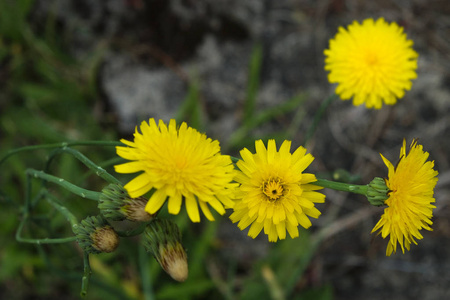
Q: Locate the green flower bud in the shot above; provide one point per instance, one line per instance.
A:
(115, 204)
(95, 235)
(377, 191)
(162, 238)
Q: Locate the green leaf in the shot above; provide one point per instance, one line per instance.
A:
(253, 83)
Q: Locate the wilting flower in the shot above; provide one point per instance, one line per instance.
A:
(274, 193)
(178, 164)
(372, 62)
(411, 183)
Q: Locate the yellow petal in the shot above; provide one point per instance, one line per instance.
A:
(155, 202)
(139, 185)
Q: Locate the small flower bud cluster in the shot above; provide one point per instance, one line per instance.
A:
(161, 238)
(95, 235)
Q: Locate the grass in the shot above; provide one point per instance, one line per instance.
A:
(49, 97)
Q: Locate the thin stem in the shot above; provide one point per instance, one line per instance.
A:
(253, 83)
(86, 275)
(26, 215)
(340, 186)
(27, 205)
(146, 277)
(317, 117)
(86, 161)
(59, 145)
(274, 287)
(62, 209)
(65, 184)
(300, 268)
(19, 238)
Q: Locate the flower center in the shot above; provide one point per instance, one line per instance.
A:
(176, 171)
(273, 189)
(371, 59)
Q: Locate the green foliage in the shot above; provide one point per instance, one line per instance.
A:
(283, 268)
(191, 111)
(50, 97)
(253, 83)
(252, 118)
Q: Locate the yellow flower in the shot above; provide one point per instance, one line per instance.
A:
(178, 164)
(274, 194)
(372, 62)
(411, 184)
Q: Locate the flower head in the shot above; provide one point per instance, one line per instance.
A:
(411, 183)
(178, 164)
(274, 193)
(162, 238)
(372, 62)
(95, 235)
(115, 204)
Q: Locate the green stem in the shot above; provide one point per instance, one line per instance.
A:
(62, 209)
(146, 276)
(58, 145)
(19, 238)
(26, 215)
(340, 186)
(317, 117)
(86, 161)
(86, 275)
(253, 83)
(65, 184)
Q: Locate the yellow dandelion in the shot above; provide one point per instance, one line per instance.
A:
(411, 184)
(372, 62)
(274, 193)
(178, 164)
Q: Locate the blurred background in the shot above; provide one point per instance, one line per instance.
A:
(238, 71)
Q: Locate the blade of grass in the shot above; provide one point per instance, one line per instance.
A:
(146, 277)
(190, 110)
(317, 117)
(240, 136)
(253, 83)
(201, 247)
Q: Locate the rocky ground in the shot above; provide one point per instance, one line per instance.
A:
(156, 48)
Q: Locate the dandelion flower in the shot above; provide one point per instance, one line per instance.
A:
(372, 62)
(178, 164)
(274, 193)
(411, 184)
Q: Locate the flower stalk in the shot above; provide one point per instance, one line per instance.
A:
(162, 239)
(65, 184)
(376, 191)
(341, 186)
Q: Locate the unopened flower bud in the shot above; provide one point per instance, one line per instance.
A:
(162, 238)
(95, 235)
(377, 191)
(115, 204)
